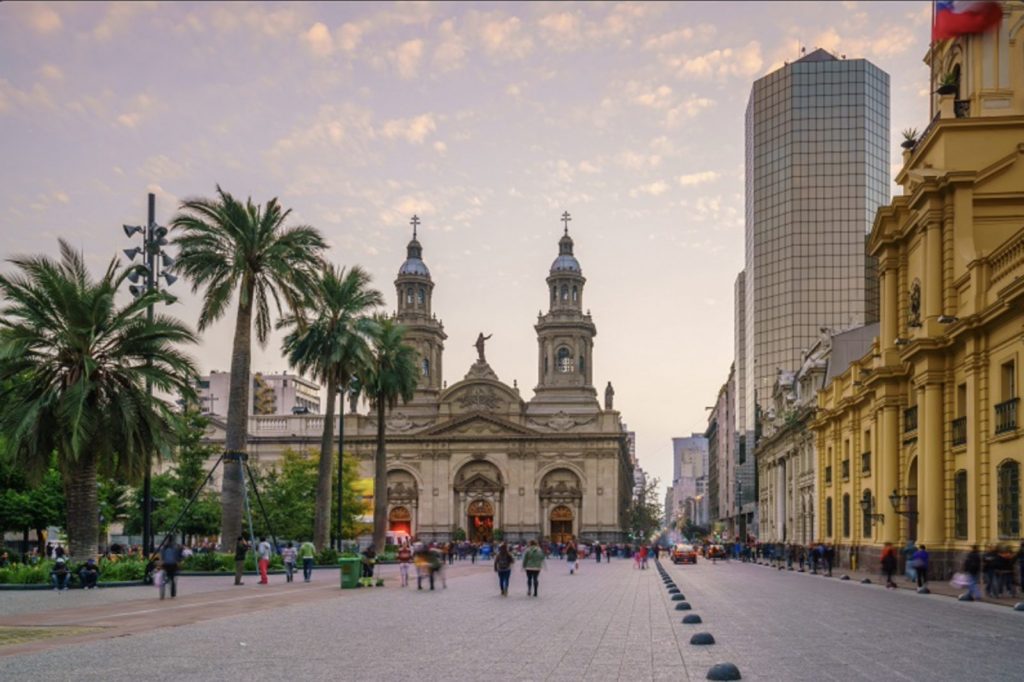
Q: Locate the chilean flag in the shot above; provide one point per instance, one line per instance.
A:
(959, 17)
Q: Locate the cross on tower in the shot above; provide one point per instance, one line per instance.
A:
(565, 219)
(415, 222)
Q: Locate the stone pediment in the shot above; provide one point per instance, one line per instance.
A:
(482, 393)
(479, 424)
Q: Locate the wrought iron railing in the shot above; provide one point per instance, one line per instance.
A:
(1006, 415)
(959, 431)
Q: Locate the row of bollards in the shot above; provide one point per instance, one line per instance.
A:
(719, 671)
(966, 596)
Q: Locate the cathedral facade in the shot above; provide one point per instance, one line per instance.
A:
(476, 456)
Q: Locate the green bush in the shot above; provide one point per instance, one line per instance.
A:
(328, 556)
(122, 570)
(209, 561)
(25, 574)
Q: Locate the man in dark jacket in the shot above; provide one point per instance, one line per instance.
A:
(972, 567)
(170, 559)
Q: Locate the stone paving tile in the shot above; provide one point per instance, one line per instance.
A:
(611, 622)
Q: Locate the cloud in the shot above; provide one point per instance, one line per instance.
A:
(413, 130)
(561, 30)
(653, 189)
(686, 109)
(634, 161)
(440, 147)
(505, 38)
(659, 98)
(698, 178)
(742, 61)
(348, 36)
(406, 58)
(587, 167)
(319, 40)
(40, 17)
(61, 197)
(35, 98)
(51, 72)
(681, 35)
(140, 107)
(119, 18)
(451, 51)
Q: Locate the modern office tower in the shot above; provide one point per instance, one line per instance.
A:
(817, 169)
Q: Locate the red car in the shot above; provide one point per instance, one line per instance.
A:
(684, 554)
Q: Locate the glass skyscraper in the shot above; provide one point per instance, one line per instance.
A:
(817, 169)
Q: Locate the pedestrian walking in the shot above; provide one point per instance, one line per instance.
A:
(830, 557)
(597, 551)
(241, 549)
(643, 557)
(263, 553)
(572, 557)
(503, 561)
(404, 559)
(307, 552)
(422, 559)
(170, 558)
(289, 554)
(533, 564)
(972, 567)
(908, 559)
(920, 562)
(889, 565)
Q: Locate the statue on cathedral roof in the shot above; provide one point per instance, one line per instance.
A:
(480, 339)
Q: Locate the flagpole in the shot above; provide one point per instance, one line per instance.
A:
(931, 68)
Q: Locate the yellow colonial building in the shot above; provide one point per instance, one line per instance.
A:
(920, 439)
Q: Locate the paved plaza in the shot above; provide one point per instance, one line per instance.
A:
(610, 622)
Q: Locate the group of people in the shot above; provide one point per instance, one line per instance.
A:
(1001, 566)
(532, 561)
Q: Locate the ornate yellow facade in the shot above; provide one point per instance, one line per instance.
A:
(920, 439)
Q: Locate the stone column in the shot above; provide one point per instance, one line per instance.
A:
(931, 502)
(889, 471)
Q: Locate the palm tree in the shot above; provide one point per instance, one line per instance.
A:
(330, 342)
(392, 375)
(228, 246)
(76, 365)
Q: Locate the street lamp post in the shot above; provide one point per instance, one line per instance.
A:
(154, 238)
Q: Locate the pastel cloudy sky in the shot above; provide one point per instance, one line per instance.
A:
(487, 120)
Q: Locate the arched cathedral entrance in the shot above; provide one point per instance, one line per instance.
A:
(561, 524)
(561, 496)
(480, 521)
(479, 493)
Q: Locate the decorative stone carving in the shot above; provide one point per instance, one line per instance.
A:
(562, 421)
(914, 316)
(479, 398)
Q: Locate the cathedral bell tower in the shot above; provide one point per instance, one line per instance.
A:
(565, 335)
(424, 332)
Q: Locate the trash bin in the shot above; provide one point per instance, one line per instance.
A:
(350, 571)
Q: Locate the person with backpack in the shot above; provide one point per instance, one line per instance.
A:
(920, 563)
(170, 558)
(503, 561)
(573, 557)
(533, 563)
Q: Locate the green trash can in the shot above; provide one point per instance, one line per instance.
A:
(351, 568)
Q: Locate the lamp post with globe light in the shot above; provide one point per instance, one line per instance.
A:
(155, 264)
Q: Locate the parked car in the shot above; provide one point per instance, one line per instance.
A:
(684, 554)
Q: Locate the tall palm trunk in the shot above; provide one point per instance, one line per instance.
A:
(238, 424)
(322, 520)
(83, 508)
(380, 481)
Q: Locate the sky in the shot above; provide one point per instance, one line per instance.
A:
(487, 120)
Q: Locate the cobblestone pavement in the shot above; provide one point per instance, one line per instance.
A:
(609, 622)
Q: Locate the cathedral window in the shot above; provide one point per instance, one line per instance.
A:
(426, 368)
(421, 296)
(408, 295)
(554, 294)
(583, 364)
(565, 293)
(565, 362)
(575, 295)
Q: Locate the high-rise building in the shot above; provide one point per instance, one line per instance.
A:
(817, 169)
(689, 466)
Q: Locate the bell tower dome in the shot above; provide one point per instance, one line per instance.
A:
(425, 333)
(565, 334)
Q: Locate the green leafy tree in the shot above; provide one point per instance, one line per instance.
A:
(392, 375)
(329, 341)
(77, 364)
(230, 248)
(27, 508)
(644, 514)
